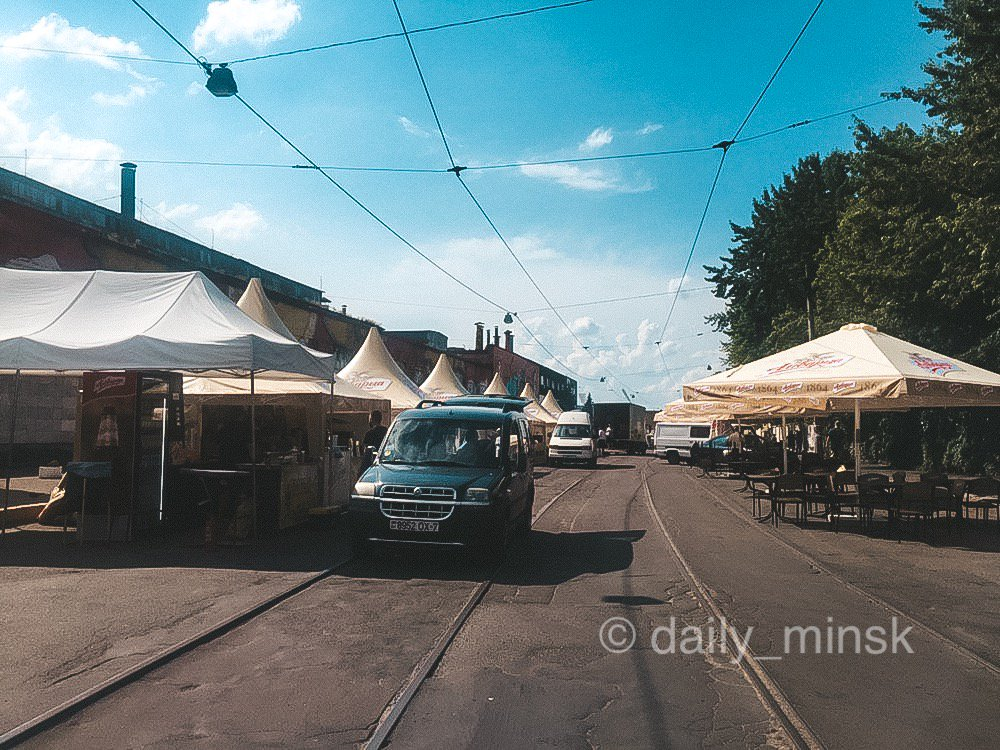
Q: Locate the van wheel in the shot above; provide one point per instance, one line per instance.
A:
(673, 457)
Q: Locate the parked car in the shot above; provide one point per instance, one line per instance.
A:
(448, 474)
(673, 441)
(573, 439)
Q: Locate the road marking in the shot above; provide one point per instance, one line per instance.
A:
(768, 691)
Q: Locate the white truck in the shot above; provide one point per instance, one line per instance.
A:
(573, 440)
(673, 440)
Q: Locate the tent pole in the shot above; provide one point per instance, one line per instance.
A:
(10, 451)
(784, 442)
(857, 438)
(253, 451)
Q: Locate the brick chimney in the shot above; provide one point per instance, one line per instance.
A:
(496, 335)
(128, 190)
(479, 337)
(508, 340)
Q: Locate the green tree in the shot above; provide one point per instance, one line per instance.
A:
(768, 277)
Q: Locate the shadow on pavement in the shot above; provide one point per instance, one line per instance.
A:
(314, 546)
(539, 558)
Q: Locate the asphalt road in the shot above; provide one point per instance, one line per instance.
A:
(638, 540)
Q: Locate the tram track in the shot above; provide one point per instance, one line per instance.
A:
(801, 552)
(393, 711)
(767, 690)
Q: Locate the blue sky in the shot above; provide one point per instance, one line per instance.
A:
(612, 76)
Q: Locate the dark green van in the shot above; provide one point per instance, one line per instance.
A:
(454, 473)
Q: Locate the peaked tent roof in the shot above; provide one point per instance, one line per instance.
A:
(255, 303)
(534, 410)
(550, 404)
(856, 363)
(74, 321)
(442, 382)
(496, 387)
(374, 371)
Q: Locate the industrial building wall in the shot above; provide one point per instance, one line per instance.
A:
(45, 419)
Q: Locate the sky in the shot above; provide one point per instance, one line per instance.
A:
(605, 77)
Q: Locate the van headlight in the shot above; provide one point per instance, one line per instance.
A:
(477, 495)
(365, 489)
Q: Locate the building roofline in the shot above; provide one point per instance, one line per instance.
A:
(170, 248)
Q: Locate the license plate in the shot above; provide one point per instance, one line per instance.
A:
(404, 525)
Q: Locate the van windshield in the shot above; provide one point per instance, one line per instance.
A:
(444, 442)
(572, 431)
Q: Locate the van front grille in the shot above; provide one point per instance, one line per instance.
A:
(419, 503)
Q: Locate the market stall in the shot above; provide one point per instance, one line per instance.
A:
(131, 335)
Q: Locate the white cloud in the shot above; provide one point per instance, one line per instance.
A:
(649, 128)
(258, 22)
(239, 222)
(55, 32)
(582, 178)
(52, 151)
(598, 138)
(412, 128)
(135, 93)
(585, 326)
(180, 211)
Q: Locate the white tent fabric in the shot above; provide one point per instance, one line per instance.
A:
(496, 387)
(857, 363)
(255, 303)
(75, 321)
(550, 405)
(442, 382)
(374, 371)
(534, 410)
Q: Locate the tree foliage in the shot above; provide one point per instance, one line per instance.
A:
(900, 233)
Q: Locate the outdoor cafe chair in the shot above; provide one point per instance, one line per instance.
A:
(874, 494)
(915, 500)
(789, 489)
(986, 494)
(842, 493)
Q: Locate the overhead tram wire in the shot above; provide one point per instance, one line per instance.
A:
(470, 168)
(104, 55)
(421, 30)
(725, 146)
(334, 182)
(496, 230)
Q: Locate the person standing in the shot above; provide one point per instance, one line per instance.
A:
(372, 440)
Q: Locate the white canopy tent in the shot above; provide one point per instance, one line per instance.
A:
(254, 302)
(374, 371)
(442, 382)
(84, 321)
(533, 409)
(496, 387)
(854, 368)
(76, 321)
(550, 405)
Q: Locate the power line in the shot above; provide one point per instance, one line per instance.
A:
(582, 159)
(167, 31)
(777, 70)
(725, 145)
(810, 121)
(489, 220)
(104, 55)
(617, 299)
(423, 82)
(423, 30)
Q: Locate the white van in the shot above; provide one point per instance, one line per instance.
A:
(573, 439)
(673, 441)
